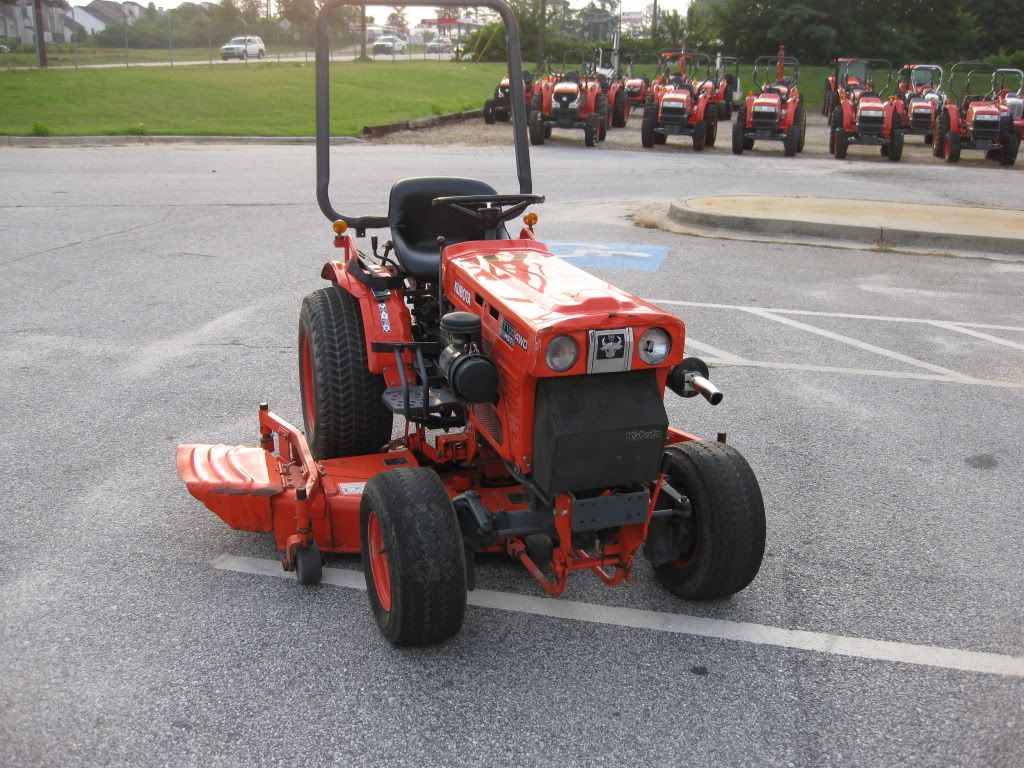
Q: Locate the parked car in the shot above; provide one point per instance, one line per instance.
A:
(388, 45)
(243, 48)
(4, 49)
(439, 45)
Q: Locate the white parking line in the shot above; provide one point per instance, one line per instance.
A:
(738, 631)
(816, 313)
(978, 334)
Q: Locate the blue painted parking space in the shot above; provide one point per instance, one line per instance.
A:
(638, 258)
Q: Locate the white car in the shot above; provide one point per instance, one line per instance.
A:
(439, 45)
(243, 48)
(388, 45)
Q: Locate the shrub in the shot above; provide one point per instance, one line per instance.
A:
(38, 129)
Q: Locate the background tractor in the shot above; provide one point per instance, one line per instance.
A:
(864, 116)
(848, 72)
(531, 396)
(919, 87)
(972, 121)
(722, 83)
(499, 108)
(612, 84)
(776, 112)
(676, 107)
(574, 100)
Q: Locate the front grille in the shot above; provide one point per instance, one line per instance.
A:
(921, 121)
(870, 124)
(562, 100)
(764, 121)
(673, 115)
(985, 129)
(563, 115)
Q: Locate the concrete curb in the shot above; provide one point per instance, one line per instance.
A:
(376, 131)
(112, 141)
(875, 236)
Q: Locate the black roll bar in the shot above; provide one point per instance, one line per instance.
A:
(323, 112)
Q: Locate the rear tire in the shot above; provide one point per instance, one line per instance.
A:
(842, 142)
(895, 146)
(536, 126)
(620, 113)
(711, 133)
(341, 399)
(791, 140)
(939, 137)
(489, 112)
(700, 133)
(729, 522)
(951, 148)
(413, 556)
(647, 131)
(591, 128)
(1011, 146)
(738, 140)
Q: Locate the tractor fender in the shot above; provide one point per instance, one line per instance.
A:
(549, 93)
(749, 113)
(384, 319)
(849, 118)
(888, 116)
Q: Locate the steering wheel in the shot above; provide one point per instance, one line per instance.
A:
(489, 210)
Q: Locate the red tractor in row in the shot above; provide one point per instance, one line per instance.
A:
(721, 84)
(775, 112)
(531, 400)
(677, 107)
(864, 116)
(989, 123)
(919, 87)
(576, 101)
(499, 108)
(847, 72)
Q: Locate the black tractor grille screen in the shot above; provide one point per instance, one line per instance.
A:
(563, 100)
(672, 115)
(986, 129)
(921, 121)
(870, 124)
(598, 431)
(763, 121)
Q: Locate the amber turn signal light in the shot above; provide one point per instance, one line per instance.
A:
(340, 226)
(530, 219)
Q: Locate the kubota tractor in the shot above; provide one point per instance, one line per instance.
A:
(984, 123)
(574, 101)
(499, 108)
(776, 112)
(676, 107)
(846, 72)
(638, 85)
(613, 85)
(864, 116)
(530, 398)
(919, 87)
(722, 84)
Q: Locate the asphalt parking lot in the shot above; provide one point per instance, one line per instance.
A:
(150, 297)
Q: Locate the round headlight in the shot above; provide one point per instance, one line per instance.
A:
(561, 354)
(655, 345)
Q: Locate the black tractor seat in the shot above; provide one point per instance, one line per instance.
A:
(416, 223)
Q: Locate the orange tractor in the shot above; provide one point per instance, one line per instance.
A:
(919, 87)
(989, 123)
(847, 72)
(677, 107)
(775, 112)
(530, 398)
(574, 101)
(499, 108)
(864, 116)
(722, 84)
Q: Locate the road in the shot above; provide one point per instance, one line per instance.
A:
(150, 297)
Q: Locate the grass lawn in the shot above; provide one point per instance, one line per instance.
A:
(267, 99)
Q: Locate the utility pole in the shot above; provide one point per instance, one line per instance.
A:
(654, 21)
(40, 22)
(540, 34)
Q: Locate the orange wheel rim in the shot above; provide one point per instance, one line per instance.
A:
(380, 566)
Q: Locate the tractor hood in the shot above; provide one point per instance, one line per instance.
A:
(767, 102)
(530, 285)
(676, 98)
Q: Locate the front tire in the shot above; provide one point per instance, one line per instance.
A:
(801, 121)
(728, 526)
(341, 399)
(489, 112)
(536, 126)
(711, 135)
(700, 134)
(737, 131)
(591, 129)
(413, 557)
(1011, 146)
(620, 113)
(951, 148)
(895, 146)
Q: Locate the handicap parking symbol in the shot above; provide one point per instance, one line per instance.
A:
(638, 258)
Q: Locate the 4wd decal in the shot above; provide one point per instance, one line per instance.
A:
(511, 335)
(462, 293)
(385, 319)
